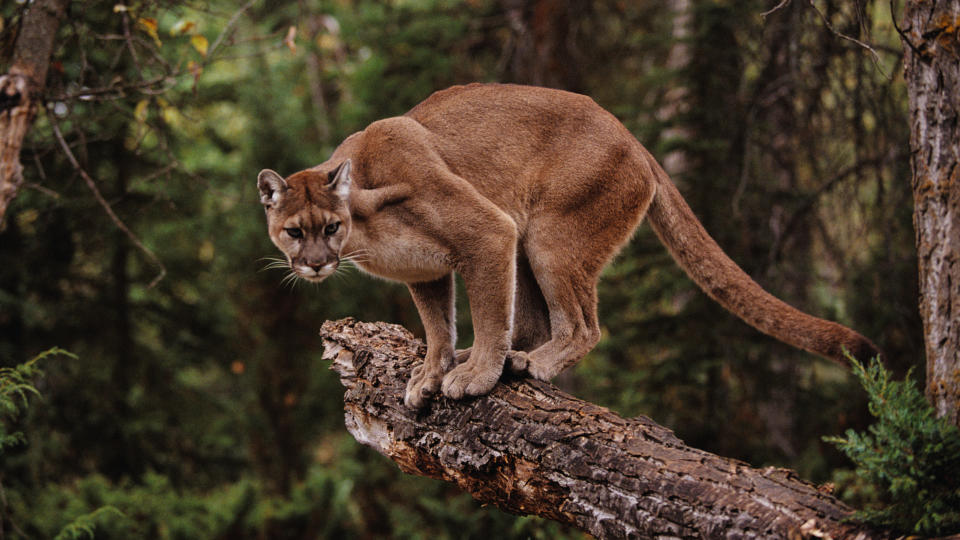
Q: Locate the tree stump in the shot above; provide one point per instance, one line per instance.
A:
(529, 448)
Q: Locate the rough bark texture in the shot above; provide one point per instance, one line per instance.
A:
(529, 448)
(21, 89)
(932, 44)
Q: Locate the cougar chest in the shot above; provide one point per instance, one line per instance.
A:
(398, 255)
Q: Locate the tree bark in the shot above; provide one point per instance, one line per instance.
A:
(21, 89)
(528, 448)
(677, 97)
(931, 38)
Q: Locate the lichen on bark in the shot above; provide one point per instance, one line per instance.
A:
(931, 35)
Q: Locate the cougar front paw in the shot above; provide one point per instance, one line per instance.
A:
(516, 360)
(471, 379)
(423, 384)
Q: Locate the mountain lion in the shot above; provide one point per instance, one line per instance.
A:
(526, 193)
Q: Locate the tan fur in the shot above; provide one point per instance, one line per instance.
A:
(526, 193)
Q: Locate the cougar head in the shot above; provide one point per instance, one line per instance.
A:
(308, 217)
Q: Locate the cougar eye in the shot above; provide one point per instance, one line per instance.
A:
(294, 232)
(331, 228)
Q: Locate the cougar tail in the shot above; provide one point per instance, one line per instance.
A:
(703, 260)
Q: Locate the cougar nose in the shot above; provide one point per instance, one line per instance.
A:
(315, 266)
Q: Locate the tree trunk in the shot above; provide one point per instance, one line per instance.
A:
(932, 59)
(529, 448)
(21, 89)
(677, 97)
(542, 50)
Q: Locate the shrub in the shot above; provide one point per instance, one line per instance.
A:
(907, 462)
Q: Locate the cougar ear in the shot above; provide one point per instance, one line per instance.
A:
(340, 180)
(271, 185)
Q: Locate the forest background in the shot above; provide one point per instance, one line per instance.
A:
(197, 405)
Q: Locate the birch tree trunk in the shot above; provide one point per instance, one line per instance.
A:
(529, 448)
(21, 89)
(932, 59)
(676, 100)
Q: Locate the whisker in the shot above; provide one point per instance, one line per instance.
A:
(361, 258)
(290, 280)
(359, 253)
(275, 264)
(349, 268)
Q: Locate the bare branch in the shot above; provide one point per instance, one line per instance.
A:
(119, 89)
(42, 189)
(228, 27)
(873, 52)
(103, 202)
(903, 35)
(129, 43)
(808, 205)
(781, 5)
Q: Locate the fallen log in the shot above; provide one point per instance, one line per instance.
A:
(529, 448)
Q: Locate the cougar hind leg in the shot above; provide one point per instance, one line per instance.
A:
(570, 293)
(531, 318)
(568, 244)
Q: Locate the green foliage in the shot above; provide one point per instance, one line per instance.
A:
(908, 461)
(201, 409)
(330, 502)
(16, 384)
(84, 526)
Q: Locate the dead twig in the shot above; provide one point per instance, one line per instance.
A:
(103, 202)
(841, 35)
(778, 7)
(228, 27)
(834, 31)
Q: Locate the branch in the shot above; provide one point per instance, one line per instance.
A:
(841, 35)
(778, 7)
(92, 185)
(228, 27)
(529, 448)
(809, 203)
